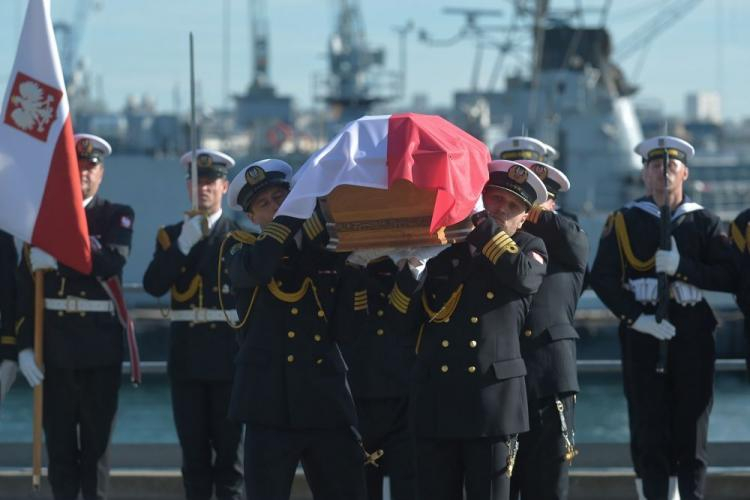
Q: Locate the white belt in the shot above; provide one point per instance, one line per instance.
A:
(203, 315)
(75, 304)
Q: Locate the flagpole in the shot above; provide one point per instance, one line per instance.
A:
(36, 450)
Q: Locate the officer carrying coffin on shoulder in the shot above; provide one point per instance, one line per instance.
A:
(290, 385)
(469, 394)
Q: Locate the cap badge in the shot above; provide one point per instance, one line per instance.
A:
(204, 160)
(539, 170)
(84, 148)
(518, 174)
(254, 175)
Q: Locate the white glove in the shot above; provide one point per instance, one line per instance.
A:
(191, 233)
(41, 260)
(668, 260)
(645, 290)
(33, 374)
(686, 294)
(647, 324)
(416, 266)
(8, 370)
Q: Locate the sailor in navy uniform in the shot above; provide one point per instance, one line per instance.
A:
(548, 346)
(523, 148)
(375, 311)
(739, 232)
(290, 385)
(202, 345)
(8, 354)
(83, 338)
(469, 394)
(668, 411)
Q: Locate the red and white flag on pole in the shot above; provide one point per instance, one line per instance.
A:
(40, 189)
(376, 151)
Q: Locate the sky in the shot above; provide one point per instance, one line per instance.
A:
(140, 47)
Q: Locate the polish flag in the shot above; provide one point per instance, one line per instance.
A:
(375, 151)
(40, 188)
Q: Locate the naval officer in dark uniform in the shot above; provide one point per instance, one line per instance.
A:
(668, 410)
(739, 232)
(83, 338)
(548, 345)
(379, 350)
(8, 354)
(469, 394)
(290, 385)
(202, 345)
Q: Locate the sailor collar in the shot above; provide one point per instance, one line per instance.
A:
(651, 208)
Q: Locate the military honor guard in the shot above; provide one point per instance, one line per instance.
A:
(202, 345)
(739, 232)
(548, 342)
(290, 385)
(83, 341)
(667, 354)
(375, 312)
(8, 354)
(469, 394)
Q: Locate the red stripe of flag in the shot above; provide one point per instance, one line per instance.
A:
(61, 228)
(432, 153)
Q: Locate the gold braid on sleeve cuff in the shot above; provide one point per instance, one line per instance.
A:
(399, 300)
(360, 300)
(313, 227)
(498, 245)
(275, 230)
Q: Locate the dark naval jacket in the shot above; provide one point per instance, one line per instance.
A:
(626, 252)
(739, 232)
(198, 350)
(290, 373)
(81, 339)
(379, 347)
(469, 375)
(8, 264)
(548, 340)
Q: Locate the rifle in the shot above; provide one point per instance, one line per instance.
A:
(662, 308)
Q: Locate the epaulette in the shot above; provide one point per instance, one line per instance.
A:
(243, 236)
(163, 238)
(740, 240)
(498, 245)
(608, 226)
(534, 213)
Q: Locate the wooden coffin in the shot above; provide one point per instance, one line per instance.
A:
(360, 218)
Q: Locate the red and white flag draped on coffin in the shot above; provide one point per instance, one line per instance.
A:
(40, 191)
(376, 151)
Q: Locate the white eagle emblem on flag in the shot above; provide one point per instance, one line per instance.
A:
(32, 107)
